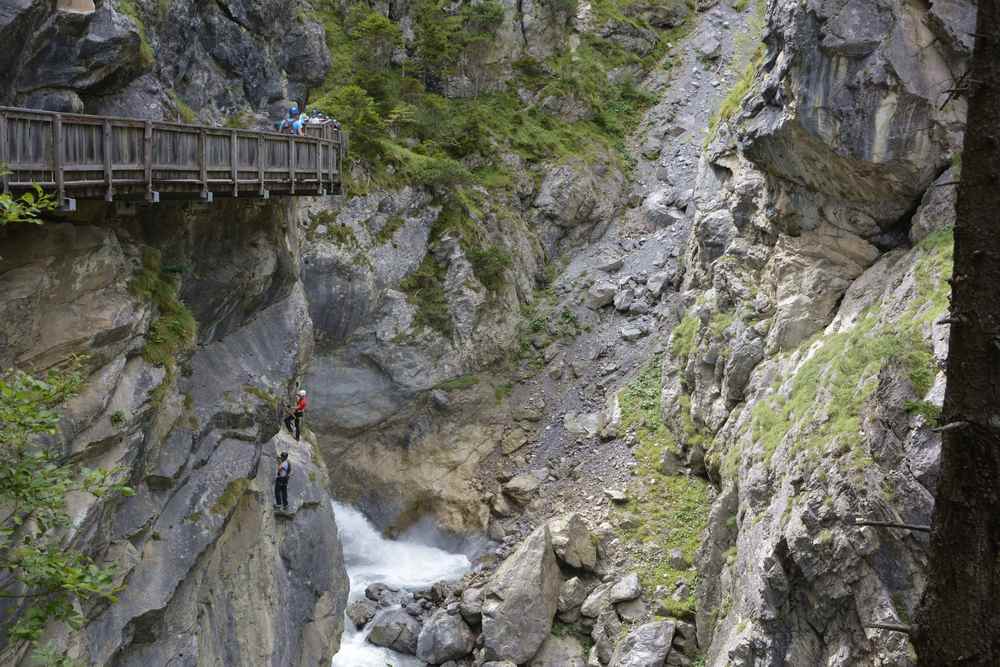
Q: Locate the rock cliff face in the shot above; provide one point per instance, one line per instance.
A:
(812, 346)
(160, 60)
(211, 575)
(719, 352)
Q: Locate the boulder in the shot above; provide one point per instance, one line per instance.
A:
(707, 46)
(659, 210)
(605, 633)
(563, 651)
(609, 263)
(522, 488)
(677, 560)
(627, 588)
(384, 595)
(616, 495)
(623, 300)
(631, 334)
(631, 611)
(444, 637)
(521, 600)
(601, 293)
(597, 601)
(586, 424)
(361, 612)
(656, 282)
(471, 606)
(646, 646)
(572, 594)
(573, 542)
(397, 630)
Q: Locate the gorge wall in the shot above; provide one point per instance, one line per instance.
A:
(714, 334)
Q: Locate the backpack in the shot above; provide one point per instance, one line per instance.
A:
(288, 468)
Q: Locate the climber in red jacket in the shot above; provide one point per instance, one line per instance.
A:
(296, 416)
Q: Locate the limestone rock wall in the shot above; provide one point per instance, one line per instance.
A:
(160, 60)
(810, 348)
(211, 576)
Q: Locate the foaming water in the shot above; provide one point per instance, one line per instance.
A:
(371, 558)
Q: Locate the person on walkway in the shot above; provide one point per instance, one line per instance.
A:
(281, 482)
(285, 124)
(296, 417)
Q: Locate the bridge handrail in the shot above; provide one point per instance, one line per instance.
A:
(49, 153)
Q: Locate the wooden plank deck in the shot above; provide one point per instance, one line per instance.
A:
(96, 157)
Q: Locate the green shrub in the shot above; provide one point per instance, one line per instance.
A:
(424, 288)
(174, 330)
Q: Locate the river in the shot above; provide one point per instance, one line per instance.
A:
(409, 563)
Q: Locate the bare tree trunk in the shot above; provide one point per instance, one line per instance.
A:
(959, 620)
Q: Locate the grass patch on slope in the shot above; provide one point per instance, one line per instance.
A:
(823, 400)
(669, 511)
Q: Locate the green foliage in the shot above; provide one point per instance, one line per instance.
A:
(389, 229)
(404, 130)
(239, 121)
(502, 391)
(489, 264)
(339, 233)
(671, 511)
(424, 288)
(750, 48)
(824, 398)
(461, 382)
(230, 496)
(146, 57)
(719, 323)
(29, 207)
(42, 574)
(174, 330)
(930, 412)
(356, 110)
(684, 337)
(186, 113)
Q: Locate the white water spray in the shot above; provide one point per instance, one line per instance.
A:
(371, 558)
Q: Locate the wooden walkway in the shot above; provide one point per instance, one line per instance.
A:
(96, 157)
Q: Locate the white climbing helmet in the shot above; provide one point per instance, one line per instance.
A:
(302, 392)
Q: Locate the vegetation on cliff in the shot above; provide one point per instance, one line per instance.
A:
(42, 578)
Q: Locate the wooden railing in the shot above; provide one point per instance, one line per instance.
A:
(96, 157)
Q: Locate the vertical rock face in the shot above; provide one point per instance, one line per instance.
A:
(815, 363)
(210, 572)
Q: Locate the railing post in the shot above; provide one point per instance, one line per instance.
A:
(108, 173)
(203, 163)
(291, 163)
(147, 159)
(57, 158)
(319, 167)
(260, 164)
(4, 154)
(233, 165)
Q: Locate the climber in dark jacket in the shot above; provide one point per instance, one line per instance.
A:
(281, 482)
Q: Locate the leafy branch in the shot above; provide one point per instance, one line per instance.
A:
(39, 571)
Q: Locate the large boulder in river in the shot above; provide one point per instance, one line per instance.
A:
(444, 637)
(573, 542)
(646, 646)
(397, 630)
(521, 600)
